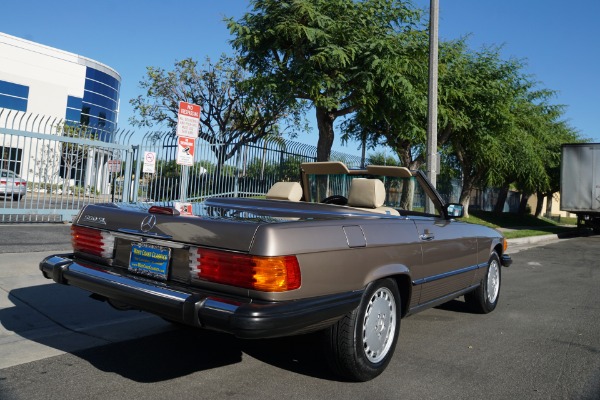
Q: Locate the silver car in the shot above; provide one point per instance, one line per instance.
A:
(12, 184)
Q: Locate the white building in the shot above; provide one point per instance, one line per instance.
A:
(45, 82)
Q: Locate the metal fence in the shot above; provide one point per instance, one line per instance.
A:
(219, 171)
(64, 167)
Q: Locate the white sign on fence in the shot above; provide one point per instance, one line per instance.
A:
(149, 162)
(188, 120)
(185, 151)
(114, 166)
(184, 209)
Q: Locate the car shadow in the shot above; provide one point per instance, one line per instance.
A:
(165, 356)
(458, 306)
(175, 351)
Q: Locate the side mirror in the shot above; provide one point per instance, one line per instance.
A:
(454, 210)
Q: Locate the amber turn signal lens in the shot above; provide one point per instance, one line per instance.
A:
(267, 274)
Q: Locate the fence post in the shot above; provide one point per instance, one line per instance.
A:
(183, 183)
(133, 158)
(236, 183)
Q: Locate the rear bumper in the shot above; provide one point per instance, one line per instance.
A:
(240, 317)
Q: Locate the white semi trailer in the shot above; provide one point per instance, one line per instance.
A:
(580, 183)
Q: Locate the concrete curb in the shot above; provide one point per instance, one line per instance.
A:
(541, 238)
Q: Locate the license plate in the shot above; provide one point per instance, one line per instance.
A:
(150, 260)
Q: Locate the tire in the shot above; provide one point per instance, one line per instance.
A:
(362, 343)
(484, 299)
(16, 197)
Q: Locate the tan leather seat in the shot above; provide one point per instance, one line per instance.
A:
(291, 191)
(369, 195)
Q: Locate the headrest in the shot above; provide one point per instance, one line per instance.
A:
(285, 191)
(366, 193)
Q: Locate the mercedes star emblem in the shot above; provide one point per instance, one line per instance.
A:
(148, 223)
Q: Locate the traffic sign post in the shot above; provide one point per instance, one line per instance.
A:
(188, 120)
(185, 151)
(149, 162)
(188, 125)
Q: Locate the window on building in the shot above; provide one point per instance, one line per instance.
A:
(10, 159)
(13, 96)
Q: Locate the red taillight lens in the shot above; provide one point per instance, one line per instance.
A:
(267, 274)
(92, 241)
(163, 210)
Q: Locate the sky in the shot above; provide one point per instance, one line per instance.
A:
(558, 40)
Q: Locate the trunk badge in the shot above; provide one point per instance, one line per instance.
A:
(148, 223)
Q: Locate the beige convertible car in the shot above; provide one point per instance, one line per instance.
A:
(345, 252)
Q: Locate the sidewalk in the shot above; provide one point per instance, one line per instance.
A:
(40, 319)
(519, 244)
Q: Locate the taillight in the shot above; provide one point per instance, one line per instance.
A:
(267, 274)
(163, 210)
(92, 241)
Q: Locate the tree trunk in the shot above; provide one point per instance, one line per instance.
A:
(325, 121)
(465, 199)
(523, 204)
(465, 193)
(502, 195)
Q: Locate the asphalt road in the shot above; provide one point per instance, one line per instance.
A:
(542, 342)
(29, 238)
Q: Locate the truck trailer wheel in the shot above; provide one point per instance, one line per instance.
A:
(360, 345)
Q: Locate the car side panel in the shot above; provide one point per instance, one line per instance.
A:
(328, 262)
(449, 258)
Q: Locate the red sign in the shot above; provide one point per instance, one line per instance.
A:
(188, 121)
(185, 150)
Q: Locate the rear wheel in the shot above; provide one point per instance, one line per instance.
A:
(362, 343)
(485, 298)
(16, 197)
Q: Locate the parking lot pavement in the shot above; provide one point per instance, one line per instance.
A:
(39, 319)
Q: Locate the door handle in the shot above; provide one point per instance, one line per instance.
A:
(427, 236)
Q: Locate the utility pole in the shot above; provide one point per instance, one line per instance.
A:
(432, 98)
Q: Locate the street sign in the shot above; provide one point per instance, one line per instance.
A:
(185, 151)
(149, 162)
(188, 120)
(184, 209)
(114, 166)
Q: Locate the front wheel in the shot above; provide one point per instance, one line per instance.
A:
(485, 298)
(362, 343)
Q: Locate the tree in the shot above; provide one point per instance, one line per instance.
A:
(332, 53)
(74, 155)
(236, 109)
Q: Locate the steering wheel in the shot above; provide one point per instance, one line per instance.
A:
(335, 199)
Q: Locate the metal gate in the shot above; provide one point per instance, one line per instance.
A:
(51, 168)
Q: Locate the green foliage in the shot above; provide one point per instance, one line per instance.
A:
(333, 53)
(237, 109)
(516, 225)
(287, 171)
(381, 158)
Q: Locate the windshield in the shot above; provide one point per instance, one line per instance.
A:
(403, 194)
